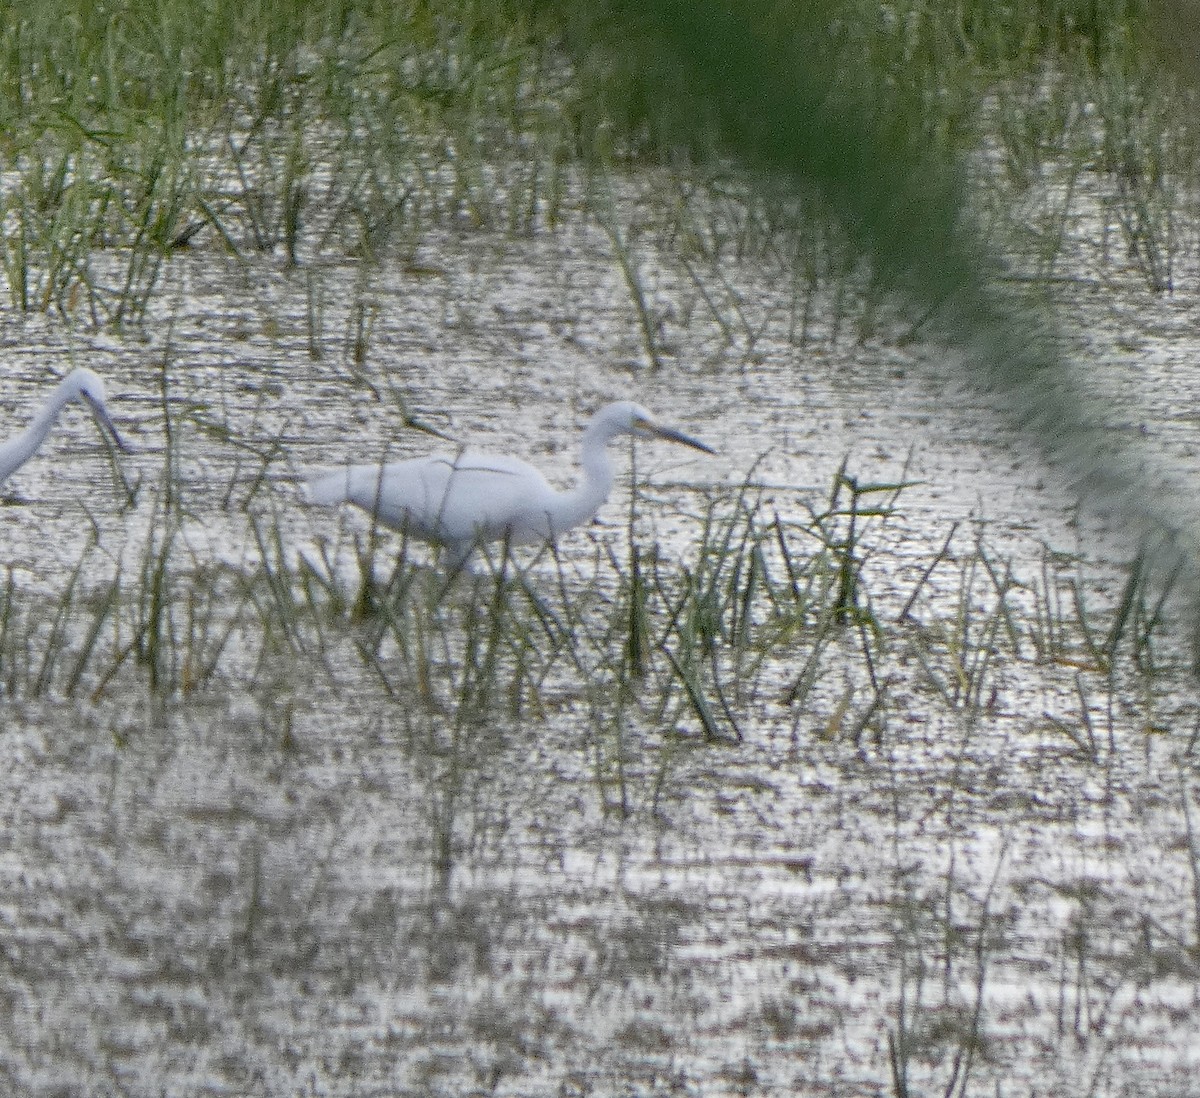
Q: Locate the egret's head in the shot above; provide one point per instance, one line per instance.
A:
(624, 417)
(87, 385)
(643, 425)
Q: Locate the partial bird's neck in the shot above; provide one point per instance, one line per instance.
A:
(17, 451)
(581, 502)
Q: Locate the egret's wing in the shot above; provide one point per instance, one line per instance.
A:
(491, 496)
(450, 498)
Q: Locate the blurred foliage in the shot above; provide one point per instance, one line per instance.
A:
(871, 107)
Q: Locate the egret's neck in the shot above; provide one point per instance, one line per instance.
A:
(17, 451)
(584, 500)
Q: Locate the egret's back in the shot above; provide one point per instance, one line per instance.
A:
(454, 499)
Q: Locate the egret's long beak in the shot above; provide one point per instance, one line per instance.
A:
(654, 430)
(102, 418)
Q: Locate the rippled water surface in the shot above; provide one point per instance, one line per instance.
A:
(307, 868)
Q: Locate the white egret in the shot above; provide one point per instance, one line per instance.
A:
(80, 384)
(460, 500)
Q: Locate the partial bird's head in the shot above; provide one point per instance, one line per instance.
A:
(625, 417)
(84, 384)
(87, 385)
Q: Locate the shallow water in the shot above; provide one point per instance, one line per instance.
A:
(294, 879)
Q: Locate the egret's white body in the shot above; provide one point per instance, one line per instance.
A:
(461, 499)
(81, 384)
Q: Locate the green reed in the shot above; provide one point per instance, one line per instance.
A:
(309, 130)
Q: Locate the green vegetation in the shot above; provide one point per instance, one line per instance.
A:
(755, 615)
(896, 149)
(300, 130)
(893, 172)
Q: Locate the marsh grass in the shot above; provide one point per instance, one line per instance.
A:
(754, 617)
(657, 652)
(649, 675)
(650, 668)
(352, 132)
